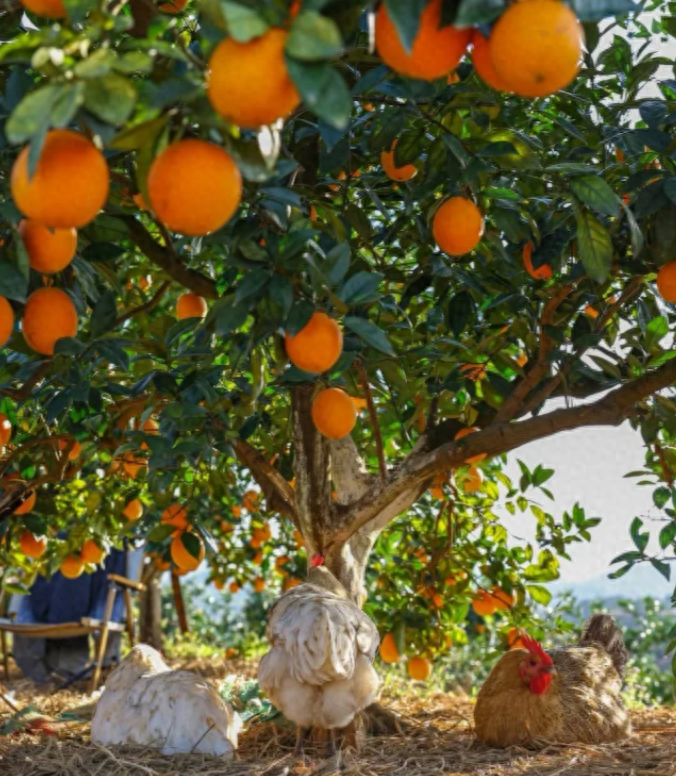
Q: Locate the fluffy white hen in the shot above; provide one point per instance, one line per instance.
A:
(319, 672)
(146, 703)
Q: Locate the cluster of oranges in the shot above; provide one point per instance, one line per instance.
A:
(418, 667)
(73, 565)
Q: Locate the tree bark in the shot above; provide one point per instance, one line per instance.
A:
(151, 614)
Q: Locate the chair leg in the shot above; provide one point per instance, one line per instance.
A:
(130, 616)
(5, 655)
(103, 638)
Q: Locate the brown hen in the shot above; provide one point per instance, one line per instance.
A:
(565, 695)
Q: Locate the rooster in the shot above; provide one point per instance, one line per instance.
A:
(145, 703)
(566, 695)
(319, 671)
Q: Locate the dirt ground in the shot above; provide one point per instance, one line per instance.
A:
(439, 742)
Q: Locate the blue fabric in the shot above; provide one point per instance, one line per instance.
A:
(58, 599)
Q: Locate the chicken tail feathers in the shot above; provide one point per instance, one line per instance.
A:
(601, 630)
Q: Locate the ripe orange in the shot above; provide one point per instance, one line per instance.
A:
(394, 173)
(70, 184)
(298, 538)
(219, 584)
(590, 311)
(619, 155)
(173, 6)
(536, 47)
(388, 649)
(281, 562)
(92, 553)
(472, 481)
(419, 669)
(544, 271)
(72, 567)
(457, 226)
(481, 59)
(248, 83)
(182, 558)
(27, 505)
(503, 600)
(176, 515)
(48, 316)
(438, 600)
(291, 582)
(483, 603)
(194, 187)
(75, 450)
(436, 50)
(132, 465)
(5, 429)
(522, 360)
(452, 78)
(32, 546)
(463, 433)
(333, 413)
(6, 321)
(150, 427)
(133, 510)
(317, 346)
(233, 587)
(259, 585)
(514, 639)
(191, 306)
(49, 250)
(50, 9)
(666, 282)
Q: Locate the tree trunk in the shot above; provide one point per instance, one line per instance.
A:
(151, 614)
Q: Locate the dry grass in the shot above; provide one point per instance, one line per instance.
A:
(439, 742)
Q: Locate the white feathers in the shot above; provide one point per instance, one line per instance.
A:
(146, 703)
(319, 672)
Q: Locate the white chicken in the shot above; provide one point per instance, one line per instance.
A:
(146, 703)
(319, 672)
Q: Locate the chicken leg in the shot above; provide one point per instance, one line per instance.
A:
(301, 735)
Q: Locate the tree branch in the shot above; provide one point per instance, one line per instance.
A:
(377, 436)
(168, 261)
(499, 438)
(146, 306)
(23, 393)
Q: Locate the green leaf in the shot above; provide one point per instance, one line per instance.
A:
(662, 567)
(370, 333)
(243, 23)
(13, 285)
(593, 10)
(594, 192)
(313, 37)
(281, 292)
(300, 314)
(474, 12)
(251, 284)
(323, 91)
(140, 135)
(661, 496)
(98, 64)
(52, 105)
(111, 98)
(634, 230)
(405, 15)
(640, 538)
(104, 315)
(668, 534)
(160, 533)
(78, 9)
(361, 288)
(539, 594)
(595, 247)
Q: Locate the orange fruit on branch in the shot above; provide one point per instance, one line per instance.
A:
(92, 553)
(333, 413)
(194, 187)
(544, 271)
(666, 282)
(248, 83)
(388, 649)
(49, 250)
(436, 50)
(191, 306)
(457, 226)
(27, 505)
(176, 515)
(50, 9)
(463, 433)
(48, 316)
(234, 587)
(483, 603)
(72, 567)
(536, 47)
(6, 321)
(183, 559)
(472, 481)
(133, 465)
(514, 640)
(70, 184)
(259, 585)
(481, 59)
(317, 346)
(173, 6)
(75, 450)
(419, 669)
(5, 429)
(133, 510)
(394, 173)
(32, 546)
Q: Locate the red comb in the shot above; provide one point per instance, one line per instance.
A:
(535, 648)
(317, 560)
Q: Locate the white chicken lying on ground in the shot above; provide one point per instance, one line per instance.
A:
(146, 703)
(319, 672)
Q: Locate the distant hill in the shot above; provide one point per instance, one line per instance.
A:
(642, 581)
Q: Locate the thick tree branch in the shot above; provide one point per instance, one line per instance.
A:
(498, 438)
(278, 492)
(167, 260)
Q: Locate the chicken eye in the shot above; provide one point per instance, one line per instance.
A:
(533, 662)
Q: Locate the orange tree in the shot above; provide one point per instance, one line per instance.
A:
(212, 212)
